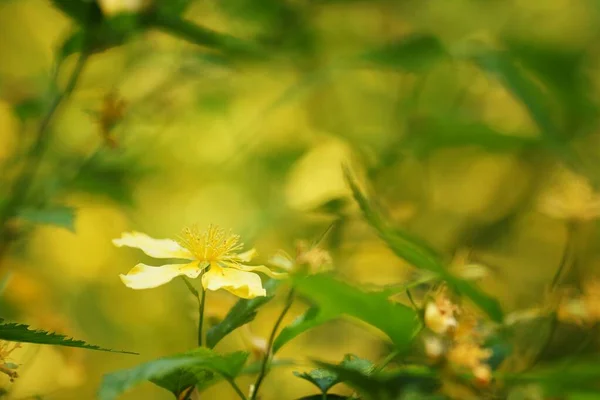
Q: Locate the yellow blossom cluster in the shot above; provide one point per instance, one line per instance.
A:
(570, 197)
(583, 309)
(454, 337)
(6, 367)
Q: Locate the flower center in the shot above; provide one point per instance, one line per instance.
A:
(211, 245)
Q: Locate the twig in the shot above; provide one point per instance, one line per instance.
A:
(201, 297)
(267, 358)
(36, 153)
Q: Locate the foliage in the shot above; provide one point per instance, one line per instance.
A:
(174, 373)
(440, 128)
(15, 332)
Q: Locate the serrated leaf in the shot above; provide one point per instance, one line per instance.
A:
(243, 312)
(334, 297)
(356, 363)
(325, 379)
(61, 216)
(29, 108)
(384, 385)
(405, 246)
(15, 332)
(321, 378)
(411, 53)
(167, 370)
(310, 319)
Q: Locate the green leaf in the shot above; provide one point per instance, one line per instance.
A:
(321, 378)
(325, 379)
(334, 297)
(531, 94)
(326, 397)
(573, 375)
(15, 332)
(243, 312)
(165, 372)
(563, 72)
(81, 11)
(356, 363)
(199, 35)
(432, 133)
(172, 7)
(61, 216)
(413, 250)
(310, 319)
(30, 108)
(108, 175)
(385, 384)
(72, 44)
(414, 52)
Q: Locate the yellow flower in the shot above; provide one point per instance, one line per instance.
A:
(471, 356)
(6, 367)
(213, 252)
(434, 347)
(571, 197)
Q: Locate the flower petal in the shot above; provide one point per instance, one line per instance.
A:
(246, 256)
(257, 268)
(144, 276)
(157, 248)
(282, 260)
(246, 285)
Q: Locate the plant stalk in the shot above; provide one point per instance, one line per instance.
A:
(36, 153)
(268, 354)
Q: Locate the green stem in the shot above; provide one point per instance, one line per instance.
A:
(35, 155)
(268, 354)
(201, 301)
(201, 297)
(236, 388)
(199, 35)
(565, 261)
(388, 359)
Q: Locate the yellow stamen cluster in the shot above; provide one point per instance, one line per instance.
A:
(6, 348)
(583, 309)
(211, 245)
(456, 340)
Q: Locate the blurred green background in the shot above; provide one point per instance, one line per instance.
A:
(454, 113)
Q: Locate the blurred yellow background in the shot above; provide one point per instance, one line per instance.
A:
(257, 147)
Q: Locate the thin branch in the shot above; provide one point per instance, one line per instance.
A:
(267, 358)
(36, 153)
